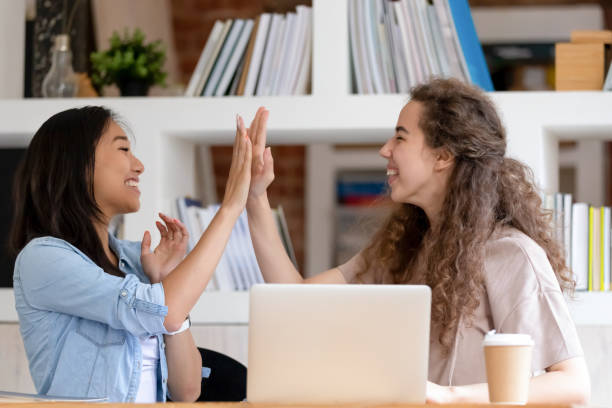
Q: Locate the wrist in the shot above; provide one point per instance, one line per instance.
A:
(255, 202)
(228, 211)
(185, 326)
(153, 277)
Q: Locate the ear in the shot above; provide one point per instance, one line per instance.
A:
(444, 159)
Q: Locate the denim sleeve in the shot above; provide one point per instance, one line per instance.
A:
(57, 278)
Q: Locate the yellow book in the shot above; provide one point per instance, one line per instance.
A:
(597, 236)
(590, 287)
(602, 249)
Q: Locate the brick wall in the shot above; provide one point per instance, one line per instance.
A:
(287, 189)
(192, 21)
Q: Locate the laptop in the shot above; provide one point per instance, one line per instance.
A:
(329, 344)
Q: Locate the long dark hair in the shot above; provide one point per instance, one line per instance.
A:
(486, 191)
(53, 192)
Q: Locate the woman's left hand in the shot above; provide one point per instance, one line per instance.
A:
(262, 167)
(170, 251)
(438, 394)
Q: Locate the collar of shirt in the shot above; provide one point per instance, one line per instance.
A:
(128, 253)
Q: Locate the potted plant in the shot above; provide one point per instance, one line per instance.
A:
(130, 63)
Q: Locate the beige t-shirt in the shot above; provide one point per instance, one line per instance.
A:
(521, 295)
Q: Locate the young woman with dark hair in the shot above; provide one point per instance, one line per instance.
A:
(102, 317)
(468, 223)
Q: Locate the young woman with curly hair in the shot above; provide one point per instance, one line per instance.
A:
(468, 223)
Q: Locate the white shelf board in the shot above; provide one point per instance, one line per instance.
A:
(308, 119)
(213, 308)
(591, 308)
(232, 308)
(359, 159)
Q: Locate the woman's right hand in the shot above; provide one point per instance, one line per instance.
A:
(239, 179)
(262, 169)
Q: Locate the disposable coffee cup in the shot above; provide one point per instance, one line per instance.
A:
(508, 361)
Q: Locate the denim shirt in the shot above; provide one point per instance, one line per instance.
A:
(80, 325)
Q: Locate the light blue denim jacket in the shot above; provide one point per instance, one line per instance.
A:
(80, 325)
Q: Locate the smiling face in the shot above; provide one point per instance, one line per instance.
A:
(116, 173)
(417, 173)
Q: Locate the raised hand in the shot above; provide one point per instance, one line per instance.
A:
(170, 251)
(237, 186)
(262, 169)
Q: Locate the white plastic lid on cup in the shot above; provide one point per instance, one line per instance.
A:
(507, 339)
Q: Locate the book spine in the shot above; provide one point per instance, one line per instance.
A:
(222, 60)
(602, 249)
(606, 249)
(247, 59)
(470, 44)
(580, 239)
(205, 56)
(590, 277)
(567, 228)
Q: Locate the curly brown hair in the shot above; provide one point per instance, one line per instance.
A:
(485, 191)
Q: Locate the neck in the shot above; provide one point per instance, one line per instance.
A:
(433, 215)
(102, 231)
(434, 203)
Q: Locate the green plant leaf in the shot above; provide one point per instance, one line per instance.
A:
(129, 57)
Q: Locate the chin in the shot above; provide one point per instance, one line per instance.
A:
(131, 208)
(396, 197)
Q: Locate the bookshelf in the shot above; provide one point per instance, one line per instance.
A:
(167, 130)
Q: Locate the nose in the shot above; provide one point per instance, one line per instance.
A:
(385, 150)
(137, 165)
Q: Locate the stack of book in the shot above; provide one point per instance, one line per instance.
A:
(237, 269)
(584, 230)
(360, 187)
(270, 55)
(396, 45)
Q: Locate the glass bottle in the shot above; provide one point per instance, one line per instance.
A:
(60, 81)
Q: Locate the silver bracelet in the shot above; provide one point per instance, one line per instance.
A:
(186, 324)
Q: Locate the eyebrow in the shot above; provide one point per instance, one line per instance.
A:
(120, 137)
(401, 129)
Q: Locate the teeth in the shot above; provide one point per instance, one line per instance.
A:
(391, 172)
(131, 183)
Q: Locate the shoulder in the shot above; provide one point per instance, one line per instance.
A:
(49, 254)
(354, 270)
(48, 246)
(351, 267)
(512, 238)
(513, 256)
